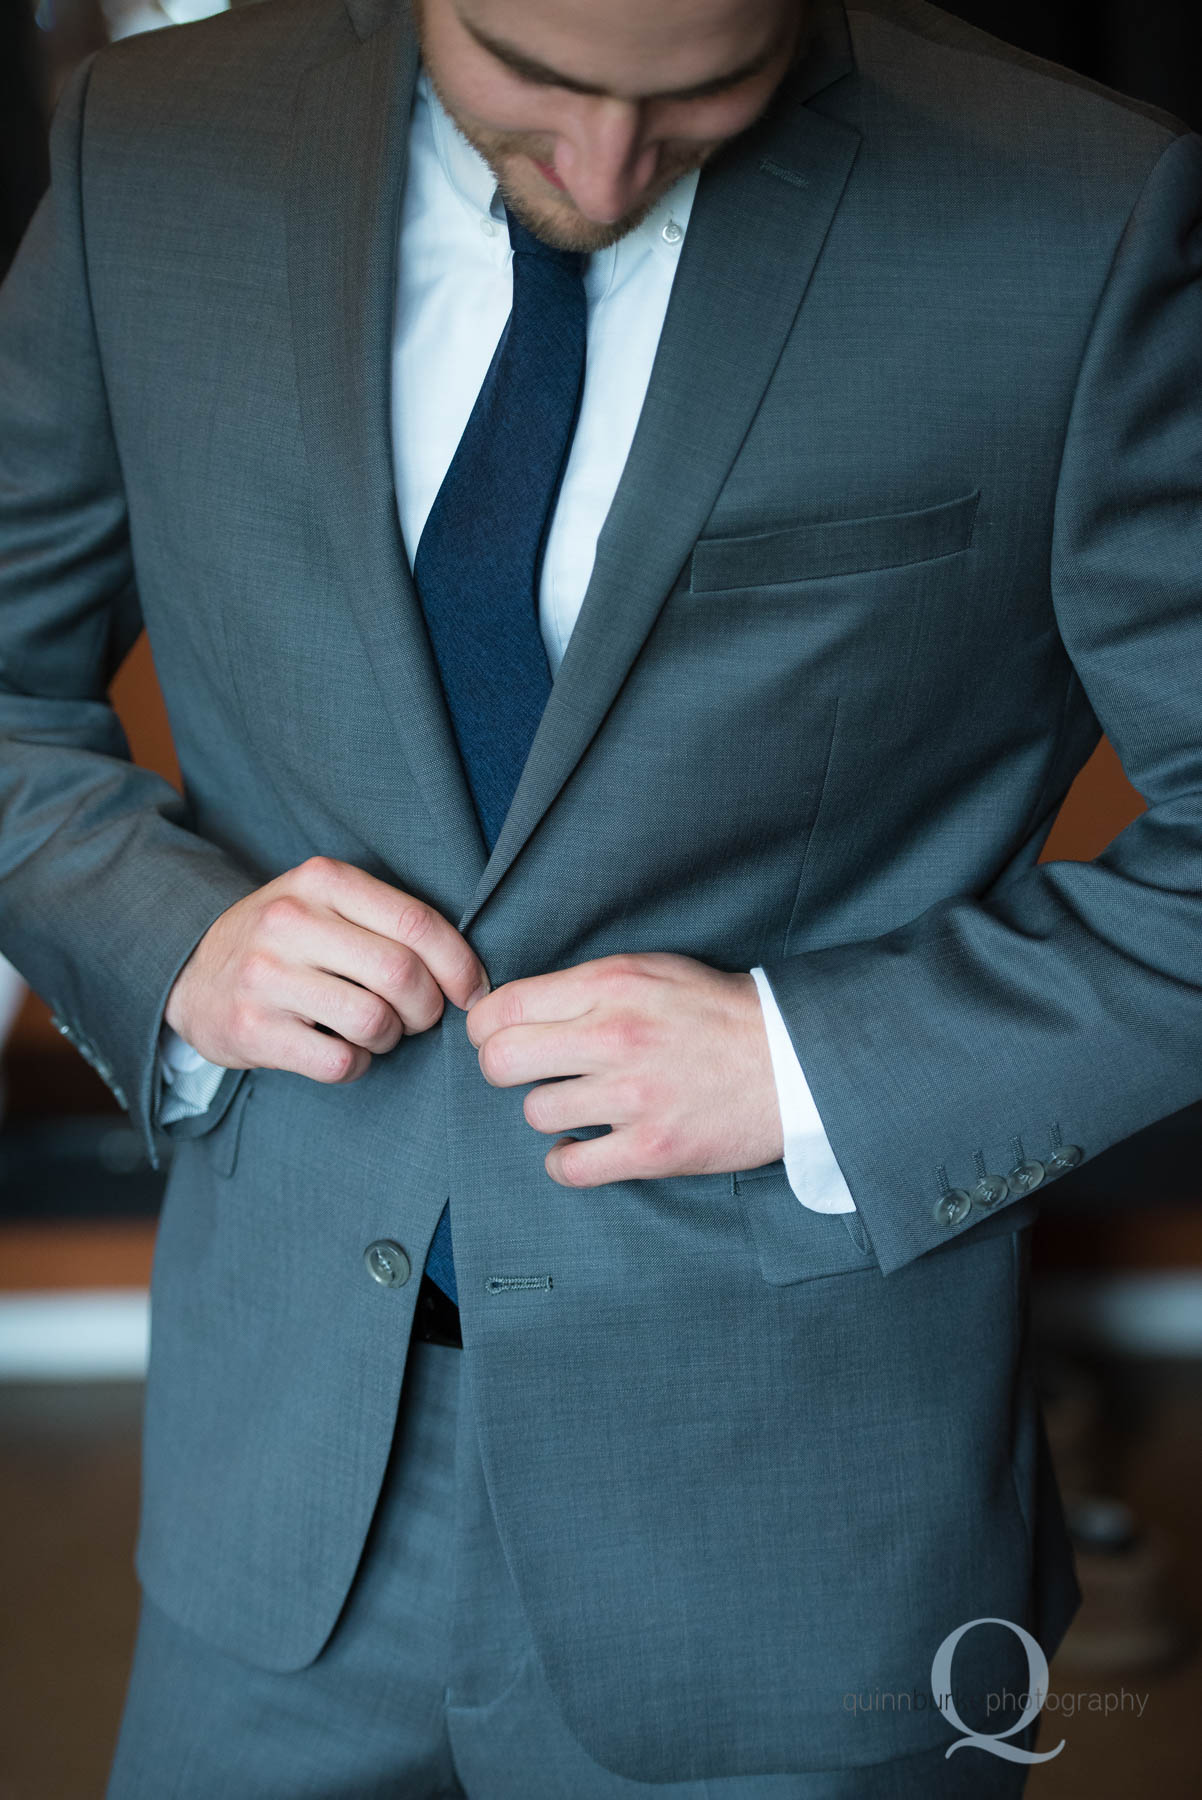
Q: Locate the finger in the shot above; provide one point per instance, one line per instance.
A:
(289, 1044)
(627, 1153)
(587, 1162)
(351, 1012)
(385, 969)
(542, 999)
(315, 944)
(521, 1053)
(562, 1106)
(400, 917)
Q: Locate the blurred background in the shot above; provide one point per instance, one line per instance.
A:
(1117, 1257)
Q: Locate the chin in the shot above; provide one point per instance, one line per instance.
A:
(553, 217)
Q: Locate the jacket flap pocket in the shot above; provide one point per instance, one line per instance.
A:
(218, 1129)
(793, 1242)
(833, 547)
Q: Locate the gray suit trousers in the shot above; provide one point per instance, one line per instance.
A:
(429, 1686)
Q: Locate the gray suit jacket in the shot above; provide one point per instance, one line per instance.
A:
(912, 514)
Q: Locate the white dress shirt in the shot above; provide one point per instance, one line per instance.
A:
(454, 293)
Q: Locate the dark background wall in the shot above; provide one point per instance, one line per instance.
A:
(23, 169)
(1149, 48)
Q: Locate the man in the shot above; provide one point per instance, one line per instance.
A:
(848, 534)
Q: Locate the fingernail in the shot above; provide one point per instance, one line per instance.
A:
(479, 994)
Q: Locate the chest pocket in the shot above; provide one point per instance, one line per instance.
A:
(833, 547)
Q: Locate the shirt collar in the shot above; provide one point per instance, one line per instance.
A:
(662, 231)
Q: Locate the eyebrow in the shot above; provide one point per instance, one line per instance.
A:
(532, 70)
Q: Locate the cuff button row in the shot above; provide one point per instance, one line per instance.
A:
(955, 1204)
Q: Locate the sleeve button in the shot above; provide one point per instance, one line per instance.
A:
(1066, 1156)
(989, 1192)
(1026, 1177)
(953, 1207)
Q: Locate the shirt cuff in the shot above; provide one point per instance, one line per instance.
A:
(186, 1081)
(810, 1165)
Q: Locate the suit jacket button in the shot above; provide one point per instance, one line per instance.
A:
(1026, 1177)
(989, 1192)
(1067, 1156)
(953, 1207)
(387, 1263)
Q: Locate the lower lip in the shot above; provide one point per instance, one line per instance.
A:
(550, 174)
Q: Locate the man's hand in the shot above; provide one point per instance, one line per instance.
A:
(323, 945)
(669, 1052)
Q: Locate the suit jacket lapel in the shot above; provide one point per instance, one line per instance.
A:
(760, 216)
(348, 157)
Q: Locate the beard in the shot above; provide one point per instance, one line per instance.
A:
(554, 218)
(557, 221)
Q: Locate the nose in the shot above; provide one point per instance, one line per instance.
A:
(603, 160)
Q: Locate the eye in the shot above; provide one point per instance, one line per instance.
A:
(528, 77)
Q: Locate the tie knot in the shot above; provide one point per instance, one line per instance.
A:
(524, 243)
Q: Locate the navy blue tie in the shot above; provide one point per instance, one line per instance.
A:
(478, 563)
